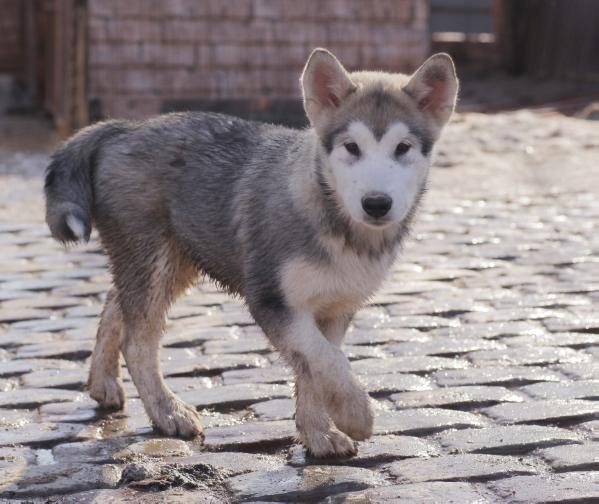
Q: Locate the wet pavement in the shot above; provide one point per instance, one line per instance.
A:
(481, 352)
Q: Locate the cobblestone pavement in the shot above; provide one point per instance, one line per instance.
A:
(481, 352)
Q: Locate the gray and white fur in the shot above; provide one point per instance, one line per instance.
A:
(302, 224)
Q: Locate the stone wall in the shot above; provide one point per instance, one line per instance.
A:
(148, 56)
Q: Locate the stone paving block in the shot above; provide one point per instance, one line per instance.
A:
(42, 301)
(456, 397)
(569, 324)
(133, 496)
(6, 295)
(56, 378)
(13, 463)
(38, 434)
(582, 389)
(356, 352)
(276, 409)
(396, 382)
(94, 451)
(504, 440)
(583, 457)
(516, 357)
(70, 350)
(54, 479)
(472, 467)
(411, 364)
(94, 310)
(422, 322)
(83, 290)
(424, 421)
(20, 367)
(494, 375)
(176, 337)
(491, 330)
(9, 315)
(211, 364)
(430, 492)
(182, 311)
(16, 418)
(581, 371)
(269, 374)
(590, 428)
(250, 433)
(375, 451)
(575, 487)
(243, 344)
(35, 284)
(83, 410)
(185, 383)
(210, 319)
(442, 347)
(370, 336)
(233, 463)
(56, 325)
(312, 483)
(509, 315)
(443, 307)
(234, 395)
(554, 411)
(154, 448)
(31, 398)
(13, 339)
(542, 301)
(572, 339)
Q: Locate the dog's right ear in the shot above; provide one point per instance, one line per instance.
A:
(325, 84)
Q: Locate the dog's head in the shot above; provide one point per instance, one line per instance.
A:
(377, 131)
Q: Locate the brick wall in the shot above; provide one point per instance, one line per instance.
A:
(10, 36)
(147, 54)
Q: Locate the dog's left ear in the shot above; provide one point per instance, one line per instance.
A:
(434, 86)
(325, 84)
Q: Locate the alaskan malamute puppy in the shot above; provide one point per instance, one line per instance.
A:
(303, 224)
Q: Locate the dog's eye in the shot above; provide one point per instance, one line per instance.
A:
(352, 148)
(402, 148)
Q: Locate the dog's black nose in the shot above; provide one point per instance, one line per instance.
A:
(377, 205)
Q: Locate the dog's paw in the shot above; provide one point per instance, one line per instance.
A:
(328, 443)
(351, 412)
(176, 418)
(107, 391)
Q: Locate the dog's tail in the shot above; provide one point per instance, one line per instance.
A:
(69, 182)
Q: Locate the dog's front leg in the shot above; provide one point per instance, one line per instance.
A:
(325, 386)
(315, 429)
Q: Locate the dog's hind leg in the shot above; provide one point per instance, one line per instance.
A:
(104, 381)
(146, 290)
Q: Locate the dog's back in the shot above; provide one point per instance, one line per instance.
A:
(179, 176)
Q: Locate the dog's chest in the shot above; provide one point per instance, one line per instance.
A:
(336, 288)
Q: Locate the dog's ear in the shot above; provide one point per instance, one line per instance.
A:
(434, 86)
(325, 84)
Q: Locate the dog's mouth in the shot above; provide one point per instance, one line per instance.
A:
(377, 223)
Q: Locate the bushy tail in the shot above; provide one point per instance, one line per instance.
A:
(69, 182)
